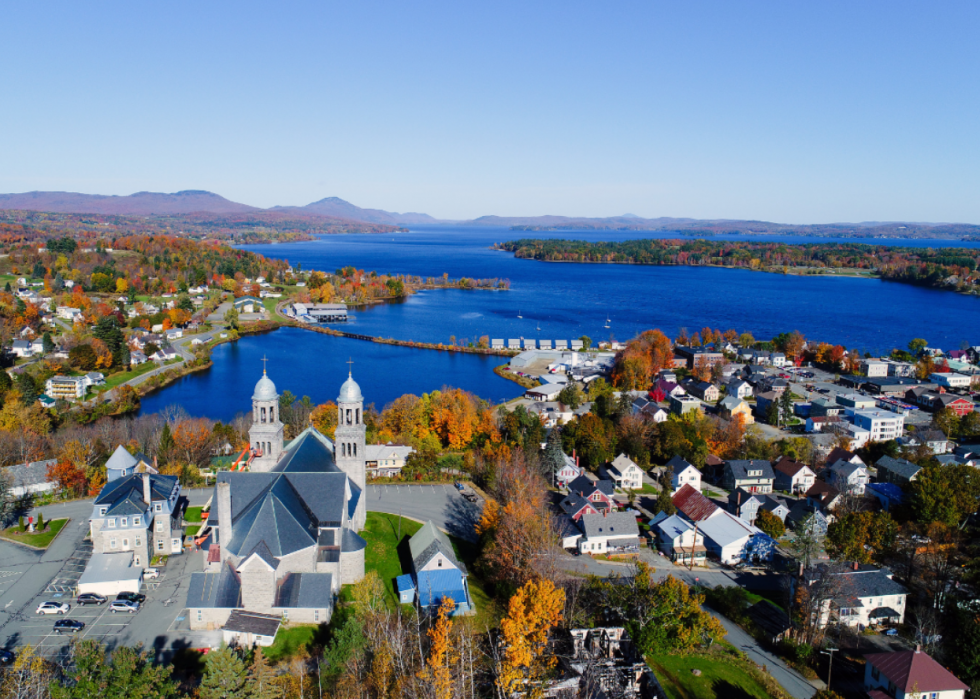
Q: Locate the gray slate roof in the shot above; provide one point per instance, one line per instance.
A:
(131, 488)
(901, 467)
(585, 485)
(427, 542)
(741, 467)
(33, 473)
(305, 591)
(614, 524)
(220, 590)
(241, 621)
(310, 452)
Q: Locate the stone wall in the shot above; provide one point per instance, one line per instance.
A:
(207, 619)
(351, 567)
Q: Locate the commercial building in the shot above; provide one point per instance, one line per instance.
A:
(882, 424)
(950, 380)
(65, 387)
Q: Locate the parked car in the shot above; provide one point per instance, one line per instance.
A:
(91, 598)
(891, 632)
(131, 597)
(53, 608)
(6, 657)
(459, 486)
(124, 605)
(470, 496)
(66, 625)
(150, 573)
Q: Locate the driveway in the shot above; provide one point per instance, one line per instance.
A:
(443, 504)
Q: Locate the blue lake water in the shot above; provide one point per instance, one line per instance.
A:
(565, 301)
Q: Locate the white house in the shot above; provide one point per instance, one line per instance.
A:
(679, 540)
(848, 477)
(607, 533)
(65, 387)
(69, 314)
(30, 479)
(778, 359)
(684, 473)
(860, 596)
(386, 460)
(910, 674)
(731, 539)
(739, 388)
(568, 472)
(22, 348)
(624, 473)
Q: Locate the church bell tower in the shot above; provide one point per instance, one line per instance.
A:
(266, 433)
(349, 441)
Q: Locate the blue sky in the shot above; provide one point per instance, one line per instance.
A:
(785, 111)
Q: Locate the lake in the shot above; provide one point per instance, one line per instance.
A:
(564, 300)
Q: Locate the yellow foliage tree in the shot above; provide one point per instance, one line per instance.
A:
(442, 655)
(122, 286)
(532, 612)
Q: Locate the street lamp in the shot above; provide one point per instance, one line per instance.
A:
(830, 665)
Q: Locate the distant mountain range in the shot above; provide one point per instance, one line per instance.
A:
(202, 202)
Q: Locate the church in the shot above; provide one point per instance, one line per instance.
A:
(284, 534)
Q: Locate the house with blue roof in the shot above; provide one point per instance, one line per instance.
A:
(436, 572)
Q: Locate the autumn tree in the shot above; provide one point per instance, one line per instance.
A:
(944, 493)
(193, 441)
(532, 612)
(438, 670)
(861, 537)
(770, 524)
(70, 478)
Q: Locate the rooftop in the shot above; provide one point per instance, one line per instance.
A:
(912, 670)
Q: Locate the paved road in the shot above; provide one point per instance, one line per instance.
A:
(443, 504)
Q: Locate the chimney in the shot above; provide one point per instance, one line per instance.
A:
(146, 488)
(224, 513)
(856, 565)
(918, 648)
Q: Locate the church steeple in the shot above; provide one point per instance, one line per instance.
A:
(349, 439)
(266, 433)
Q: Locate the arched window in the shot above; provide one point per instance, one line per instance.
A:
(357, 413)
(348, 417)
(263, 414)
(272, 414)
(355, 448)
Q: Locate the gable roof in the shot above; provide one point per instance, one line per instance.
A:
(427, 542)
(695, 506)
(914, 670)
(678, 464)
(130, 488)
(586, 486)
(615, 525)
(822, 492)
(731, 402)
(310, 452)
(622, 463)
(33, 473)
(672, 527)
(305, 591)
(741, 467)
(726, 529)
(901, 467)
(788, 466)
(844, 468)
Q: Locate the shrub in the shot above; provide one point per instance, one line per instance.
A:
(21, 524)
(40, 521)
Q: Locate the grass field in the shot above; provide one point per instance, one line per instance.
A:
(124, 376)
(722, 677)
(193, 514)
(290, 641)
(38, 539)
(192, 529)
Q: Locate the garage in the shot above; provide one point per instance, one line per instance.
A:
(109, 574)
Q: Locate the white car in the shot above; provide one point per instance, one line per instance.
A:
(150, 573)
(124, 605)
(53, 608)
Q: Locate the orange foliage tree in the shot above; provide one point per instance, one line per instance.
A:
(533, 611)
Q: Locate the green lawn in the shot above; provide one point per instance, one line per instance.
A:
(381, 534)
(722, 677)
(290, 641)
(193, 514)
(38, 539)
(192, 530)
(124, 376)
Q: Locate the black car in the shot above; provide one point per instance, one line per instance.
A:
(64, 625)
(6, 657)
(91, 598)
(132, 597)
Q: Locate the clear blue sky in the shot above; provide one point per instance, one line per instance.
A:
(785, 111)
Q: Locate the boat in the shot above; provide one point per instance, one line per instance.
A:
(519, 314)
(607, 320)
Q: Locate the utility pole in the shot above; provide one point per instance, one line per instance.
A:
(830, 666)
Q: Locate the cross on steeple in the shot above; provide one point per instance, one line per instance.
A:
(350, 368)
(264, 360)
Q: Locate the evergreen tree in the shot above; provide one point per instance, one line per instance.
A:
(786, 406)
(8, 288)
(48, 343)
(59, 282)
(553, 458)
(127, 672)
(625, 406)
(262, 678)
(38, 271)
(225, 676)
(27, 388)
(166, 443)
(6, 383)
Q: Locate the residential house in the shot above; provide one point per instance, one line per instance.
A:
(874, 367)
(739, 388)
(164, 354)
(755, 475)
(801, 512)
(654, 412)
(553, 413)
(29, 478)
(897, 471)
(791, 476)
(37, 346)
(94, 378)
(704, 390)
(859, 596)
(22, 348)
(122, 464)
(777, 359)
(140, 514)
(624, 472)
(202, 340)
(436, 573)
(680, 541)
(608, 533)
(136, 358)
(910, 674)
(248, 304)
(823, 495)
(669, 388)
(848, 477)
(772, 384)
(684, 473)
(950, 380)
(70, 314)
(569, 471)
(937, 442)
(599, 493)
(744, 505)
(682, 404)
(386, 460)
(825, 407)
(763, 401)
(838, 454)
(778, 507)
(173, 334)
(936, 402)
(575, 506)
(730, 406)
(823, 423)
(732, 540)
